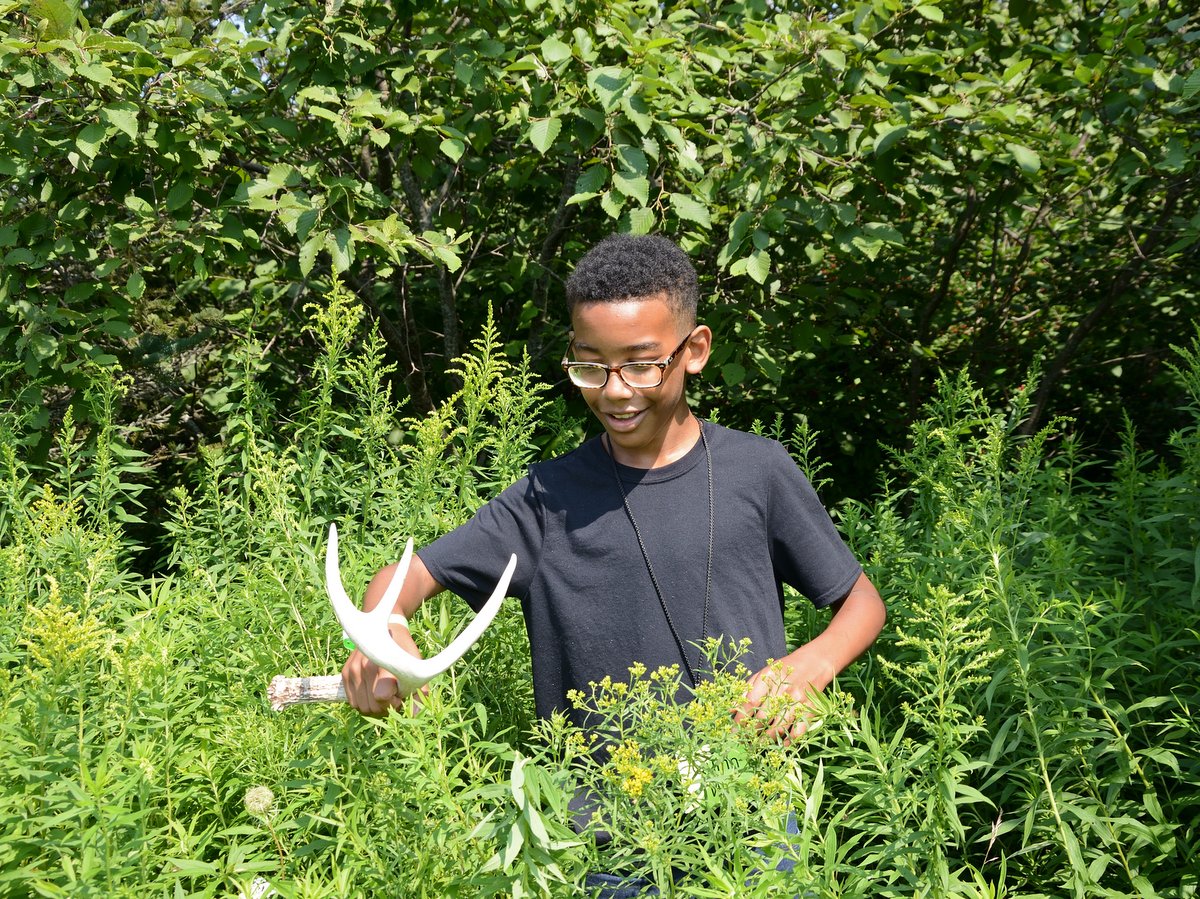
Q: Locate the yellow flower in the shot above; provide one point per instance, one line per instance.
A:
(637, 779)
(631, 775)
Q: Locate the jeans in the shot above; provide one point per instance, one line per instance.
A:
(610, 886)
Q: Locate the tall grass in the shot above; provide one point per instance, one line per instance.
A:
(1026, 726)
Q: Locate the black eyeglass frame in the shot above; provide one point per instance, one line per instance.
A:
(567, 365)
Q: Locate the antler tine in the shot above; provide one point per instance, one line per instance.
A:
(380, 613)
(474, 630)
(369, 630)
(343, 608)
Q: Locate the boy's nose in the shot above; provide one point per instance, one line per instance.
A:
(615, 386)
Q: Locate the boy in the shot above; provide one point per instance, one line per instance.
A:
(659, 533)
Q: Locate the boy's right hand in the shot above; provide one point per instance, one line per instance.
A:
(370, 689)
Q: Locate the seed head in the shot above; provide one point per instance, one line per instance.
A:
(259, 801)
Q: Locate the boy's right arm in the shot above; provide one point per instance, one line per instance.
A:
(371, 690)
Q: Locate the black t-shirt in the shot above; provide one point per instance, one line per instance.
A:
(589, 604)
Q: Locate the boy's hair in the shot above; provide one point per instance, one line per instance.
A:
(628, 267)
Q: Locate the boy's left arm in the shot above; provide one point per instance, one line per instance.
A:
(858, 618)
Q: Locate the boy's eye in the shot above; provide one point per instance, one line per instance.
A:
(641, 374)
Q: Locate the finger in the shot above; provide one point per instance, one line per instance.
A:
(756, 690)
(352, 681)
(360, 676)
(385, 694)
(780, 724)
(773, 701)
(385, 687)
(805, 723)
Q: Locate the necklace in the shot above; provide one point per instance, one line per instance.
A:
(691, 672)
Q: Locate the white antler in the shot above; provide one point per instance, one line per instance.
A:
(369, 630)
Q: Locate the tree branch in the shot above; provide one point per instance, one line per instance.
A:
(549, 249)
(1121, 282)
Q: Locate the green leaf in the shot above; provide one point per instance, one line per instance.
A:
(187, 57)
(835, 58)
(758, 266)
(117, 328)
(193, 867)
(309, 250)
(106, 268)
(865, 244)
(889, 135)
(932, 13)
(884, 232)
(135, 286)
(117, 18)
(632, 160)
(543, 133)
(1016, 70)
(280, 174)
(690, 209)
(609, 84)
(97, 73)
(733, 373)
(639, 113)
(89, 139)
(592, 179)
(1027, 159)
(341, 249)
(136, 204)
(179, 196)
(642, 220)
(611, 202)
(634, 187)
(122, 116)
(59, 16)
(448, 258)
(43, 345)
(554, 50)
(319, 93)
(453, 147)
(1191, 85)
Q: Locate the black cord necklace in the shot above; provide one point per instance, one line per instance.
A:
(691, 672)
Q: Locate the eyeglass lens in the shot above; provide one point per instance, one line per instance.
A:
(642, 375)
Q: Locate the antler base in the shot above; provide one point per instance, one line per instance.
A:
(284, 691)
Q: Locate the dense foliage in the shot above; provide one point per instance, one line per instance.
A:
(873, 191)
(1026, 727)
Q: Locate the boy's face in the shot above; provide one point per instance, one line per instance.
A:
(646, 427)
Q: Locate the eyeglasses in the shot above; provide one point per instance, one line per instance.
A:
(639, 375)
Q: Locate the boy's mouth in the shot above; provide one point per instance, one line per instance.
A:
(623, 420)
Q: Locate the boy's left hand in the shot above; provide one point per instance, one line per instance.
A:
(777, 696)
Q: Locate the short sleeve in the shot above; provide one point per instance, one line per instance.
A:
(806, 549)
(469, 560)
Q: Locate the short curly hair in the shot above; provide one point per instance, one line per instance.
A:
(629, 267)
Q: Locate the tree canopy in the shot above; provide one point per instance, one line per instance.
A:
(871, 191)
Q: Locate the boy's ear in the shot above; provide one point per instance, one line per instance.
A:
(699, 346)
